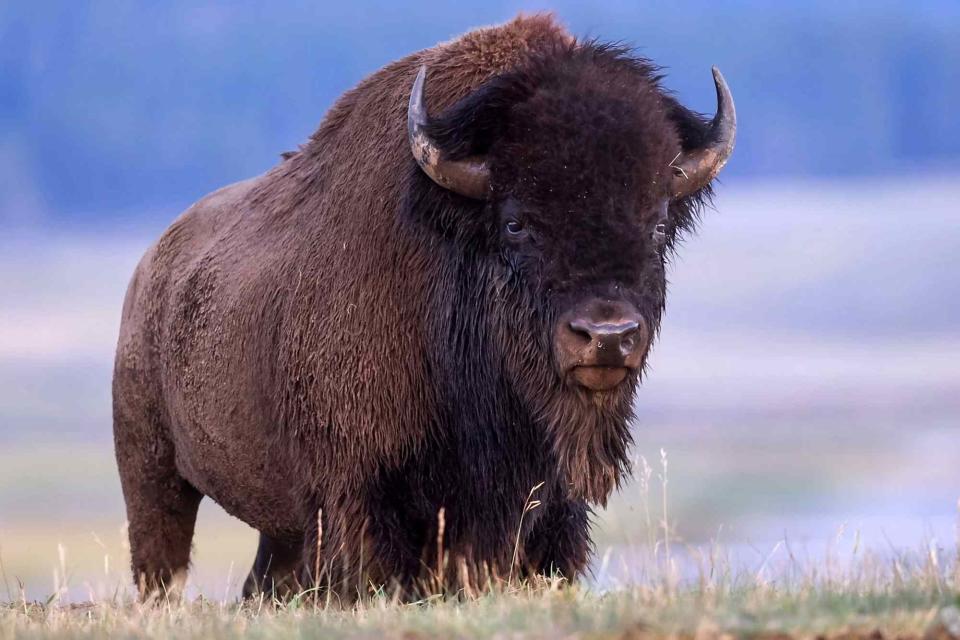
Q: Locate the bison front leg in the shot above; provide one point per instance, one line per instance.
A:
(276, 570)
(334, 552)
(560, 541)
(348, 552)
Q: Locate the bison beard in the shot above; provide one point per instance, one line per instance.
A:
(590, 445)
(356, 361)
(585, 435)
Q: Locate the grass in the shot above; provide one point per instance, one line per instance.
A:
(547, 610)
(657, 586)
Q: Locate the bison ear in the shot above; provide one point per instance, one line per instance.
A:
(693, 129)
(705, 144)
(471, 126)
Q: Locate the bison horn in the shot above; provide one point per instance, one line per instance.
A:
(695, 168)
(469, 177)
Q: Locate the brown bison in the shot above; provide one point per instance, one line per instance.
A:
(375, 351)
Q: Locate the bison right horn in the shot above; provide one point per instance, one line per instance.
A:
(469, 177)
(697, 167)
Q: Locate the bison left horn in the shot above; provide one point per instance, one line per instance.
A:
(469, 177)
(694, 169)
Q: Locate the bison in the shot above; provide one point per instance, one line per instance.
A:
(436, 311)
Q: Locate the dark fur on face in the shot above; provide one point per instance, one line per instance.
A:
(580, 139)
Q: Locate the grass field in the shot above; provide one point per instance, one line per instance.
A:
(898, 599)
(647, 581)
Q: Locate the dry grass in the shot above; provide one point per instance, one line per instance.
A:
(663, 589)
(547, 610)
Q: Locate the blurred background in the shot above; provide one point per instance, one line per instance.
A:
(806, 385)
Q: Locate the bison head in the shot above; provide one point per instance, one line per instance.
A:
(577, 172)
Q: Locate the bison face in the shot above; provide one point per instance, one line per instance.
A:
(593, 268)
(579, 182)
(589, 169)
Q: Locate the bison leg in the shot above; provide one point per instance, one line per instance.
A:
(349, 554)
(276, 568)
(560, 542)
(161, 505)
(161, 510)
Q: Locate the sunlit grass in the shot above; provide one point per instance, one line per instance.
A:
(660, 588)
(548, 609)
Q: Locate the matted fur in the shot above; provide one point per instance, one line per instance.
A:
(353, 360)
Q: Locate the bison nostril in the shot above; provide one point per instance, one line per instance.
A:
(582, 329)
(607, 335)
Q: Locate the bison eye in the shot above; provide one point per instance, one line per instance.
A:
(660, 233)
(514, 228)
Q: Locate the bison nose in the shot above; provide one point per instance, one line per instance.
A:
(598, 343)
(616, 338)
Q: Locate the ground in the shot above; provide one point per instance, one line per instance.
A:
(545, 611)
(648, 580)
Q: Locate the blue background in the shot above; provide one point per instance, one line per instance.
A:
(112, 112)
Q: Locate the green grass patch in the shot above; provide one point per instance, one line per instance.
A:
(551, 610)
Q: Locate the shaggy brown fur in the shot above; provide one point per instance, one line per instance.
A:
(340, 341)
